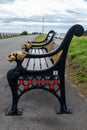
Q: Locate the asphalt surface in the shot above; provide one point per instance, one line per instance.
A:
(39, 106)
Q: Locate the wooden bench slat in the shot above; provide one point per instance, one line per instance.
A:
(43, 61)
(24, 63)
(31, 62)
(26, 60)
(48, 61)
(37, 61)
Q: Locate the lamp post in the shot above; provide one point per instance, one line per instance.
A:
(43, 25)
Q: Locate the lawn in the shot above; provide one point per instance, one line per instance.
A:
(77, 63)
(40, 37)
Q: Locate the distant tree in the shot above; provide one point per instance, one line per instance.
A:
(24, 33)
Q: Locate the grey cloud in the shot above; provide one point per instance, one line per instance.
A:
(6, 1)
(48, 18)
(9, 20)
(73, 12)
(31, 19)
(69, 20)
(65, 20)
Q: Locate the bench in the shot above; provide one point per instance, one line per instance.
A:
(37, 71)
(46, 43)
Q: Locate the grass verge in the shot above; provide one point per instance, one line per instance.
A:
(77, 63)
(40, 37)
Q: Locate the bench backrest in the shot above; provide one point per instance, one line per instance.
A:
(50, 36)
(47, 39)
(56, 41)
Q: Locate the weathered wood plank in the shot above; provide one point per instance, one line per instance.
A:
(47, 59)
(24, 63)
(37, 61)
(31, 62)
(43, 61)
(26, 60)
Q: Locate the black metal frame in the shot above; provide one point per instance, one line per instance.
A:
(56, 72)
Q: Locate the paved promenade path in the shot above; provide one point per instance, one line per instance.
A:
(39, 112)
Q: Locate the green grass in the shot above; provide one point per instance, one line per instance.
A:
(77, 65)
(40, 37)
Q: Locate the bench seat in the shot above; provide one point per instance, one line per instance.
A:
(37, 63)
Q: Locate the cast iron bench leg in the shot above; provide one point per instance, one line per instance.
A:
(63, 107)
(12, 79)
(14, 109)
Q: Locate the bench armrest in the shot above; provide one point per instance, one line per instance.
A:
(49, 54)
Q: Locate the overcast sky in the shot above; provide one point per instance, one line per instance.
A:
(20, 15)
